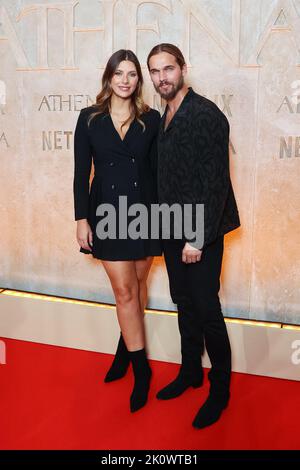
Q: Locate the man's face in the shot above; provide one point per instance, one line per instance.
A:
(166, 75)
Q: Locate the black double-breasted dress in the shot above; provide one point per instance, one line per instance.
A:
(125, 167)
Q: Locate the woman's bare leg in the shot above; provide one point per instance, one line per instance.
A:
(142, 267)
(125, 285)
(128, 280)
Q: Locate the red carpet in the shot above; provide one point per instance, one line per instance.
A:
(55, 398)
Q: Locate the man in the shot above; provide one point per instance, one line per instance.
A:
(193, 168)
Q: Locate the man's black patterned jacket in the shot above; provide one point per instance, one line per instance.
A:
(193, 164)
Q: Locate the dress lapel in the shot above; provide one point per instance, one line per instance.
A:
(130, 135)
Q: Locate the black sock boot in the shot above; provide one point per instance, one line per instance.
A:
(142, 375)
(120, 363)
(183, 381)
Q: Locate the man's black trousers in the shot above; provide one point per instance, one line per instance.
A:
(195, 288)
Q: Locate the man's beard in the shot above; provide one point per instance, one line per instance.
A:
(173, 92)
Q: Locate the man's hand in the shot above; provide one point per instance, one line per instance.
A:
(190, 254)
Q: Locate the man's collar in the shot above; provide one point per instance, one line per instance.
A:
(181, 111)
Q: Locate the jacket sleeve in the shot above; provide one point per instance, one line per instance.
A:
(211, 180)
(82, 168)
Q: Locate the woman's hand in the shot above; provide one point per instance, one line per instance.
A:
(84, 234)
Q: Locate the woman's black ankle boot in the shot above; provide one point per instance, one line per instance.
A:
(120, 363)
(142, 376)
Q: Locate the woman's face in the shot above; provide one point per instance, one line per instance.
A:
(125, 79)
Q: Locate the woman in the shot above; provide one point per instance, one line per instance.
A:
(119, 134)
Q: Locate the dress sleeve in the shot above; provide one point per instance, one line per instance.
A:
(82, 168)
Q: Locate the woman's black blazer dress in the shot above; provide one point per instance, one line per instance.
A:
(121, 168)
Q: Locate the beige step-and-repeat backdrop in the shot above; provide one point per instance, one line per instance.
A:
(242, 54)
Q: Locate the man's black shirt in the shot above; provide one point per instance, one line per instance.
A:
(193, 164)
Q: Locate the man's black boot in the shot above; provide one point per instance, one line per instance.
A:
(210, 411)
(185, 379)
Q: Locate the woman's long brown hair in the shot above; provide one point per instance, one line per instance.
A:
(103, 99)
